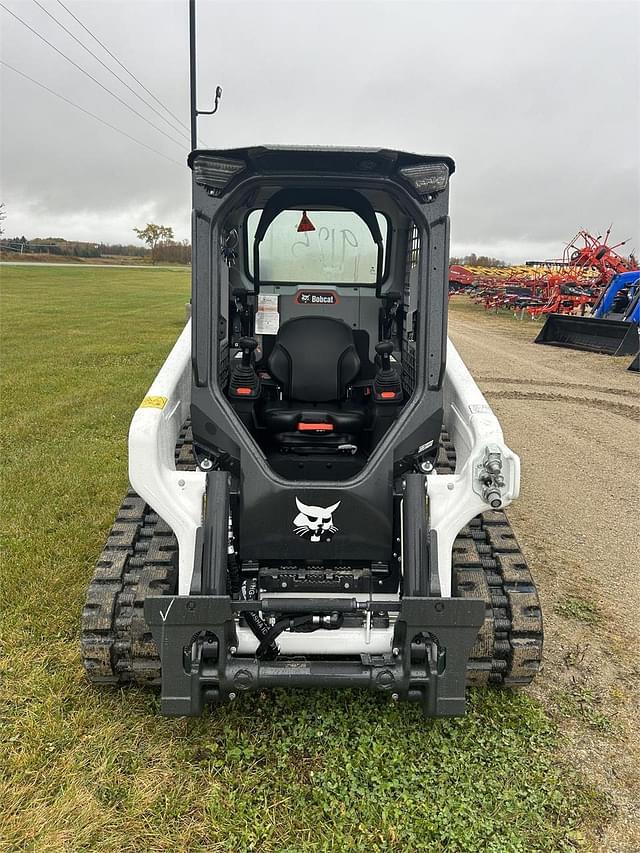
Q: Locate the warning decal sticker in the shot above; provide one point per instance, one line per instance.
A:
(153, 403)
(267, 315)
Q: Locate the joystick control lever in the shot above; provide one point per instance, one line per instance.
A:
(244, 381)
(387, 387)
(248, 346)
(384, 350)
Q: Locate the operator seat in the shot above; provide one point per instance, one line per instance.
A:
(314, 361)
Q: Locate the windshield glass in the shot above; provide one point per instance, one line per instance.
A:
(340, 249)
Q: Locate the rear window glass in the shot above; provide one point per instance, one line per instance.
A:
(339, 251)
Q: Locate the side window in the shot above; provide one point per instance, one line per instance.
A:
(340, 249)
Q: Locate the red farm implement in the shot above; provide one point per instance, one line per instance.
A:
(460, 278)
(586, 252)
(570, 285)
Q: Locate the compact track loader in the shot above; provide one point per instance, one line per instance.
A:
(318, 484)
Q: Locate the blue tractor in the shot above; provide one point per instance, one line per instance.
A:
(621, 300)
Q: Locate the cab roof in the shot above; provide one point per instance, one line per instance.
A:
(312, 158)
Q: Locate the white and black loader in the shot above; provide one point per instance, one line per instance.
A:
(318, 483)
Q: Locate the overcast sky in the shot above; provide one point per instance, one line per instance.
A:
(538, 103)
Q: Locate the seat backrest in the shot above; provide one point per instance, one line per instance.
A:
(314, 359)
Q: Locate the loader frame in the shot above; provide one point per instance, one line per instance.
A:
(203, 671)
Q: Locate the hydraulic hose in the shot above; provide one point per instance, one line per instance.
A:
(267, 642)
(266, 636)
(303, 624)
(256, 623)
(267, 649)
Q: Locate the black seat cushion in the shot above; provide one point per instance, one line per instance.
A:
(314, 359)
(285, 415)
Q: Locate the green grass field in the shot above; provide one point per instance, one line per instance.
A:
(98, 769)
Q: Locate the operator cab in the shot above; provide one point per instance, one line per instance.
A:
(316, 330)
(318, 313)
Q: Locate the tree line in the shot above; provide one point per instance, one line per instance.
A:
(474, 260)
(161, 246)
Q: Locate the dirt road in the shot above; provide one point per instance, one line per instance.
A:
(574, 418)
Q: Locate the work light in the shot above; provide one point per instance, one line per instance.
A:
(216, 174)
(427, 178)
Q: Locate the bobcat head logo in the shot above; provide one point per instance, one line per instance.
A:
(315, 522)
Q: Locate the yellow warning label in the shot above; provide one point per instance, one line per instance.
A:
(154, 403)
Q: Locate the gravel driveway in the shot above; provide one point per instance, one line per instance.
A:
(574, 418)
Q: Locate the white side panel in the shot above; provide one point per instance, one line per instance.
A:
(175, 495)
(454, 499)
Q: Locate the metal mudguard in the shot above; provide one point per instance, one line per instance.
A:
(177, 496)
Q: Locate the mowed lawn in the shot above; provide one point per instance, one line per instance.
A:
(98, 769)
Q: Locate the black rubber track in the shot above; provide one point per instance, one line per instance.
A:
(140, 558)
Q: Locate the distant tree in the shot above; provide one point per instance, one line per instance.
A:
(3, 216)
(474, 260)
(174, 253)
(154, 235)
(130, 250)
(486, 261)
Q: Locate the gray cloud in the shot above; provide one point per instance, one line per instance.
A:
(539, 103)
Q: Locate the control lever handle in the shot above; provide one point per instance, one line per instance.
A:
(384, 350)
(247, 345)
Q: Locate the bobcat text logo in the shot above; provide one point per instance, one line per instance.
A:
(316, 297)
(315, 522)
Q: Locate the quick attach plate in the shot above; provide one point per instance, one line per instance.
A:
(195, 636)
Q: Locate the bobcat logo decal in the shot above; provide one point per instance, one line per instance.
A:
(315, 522)
(317, 297)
